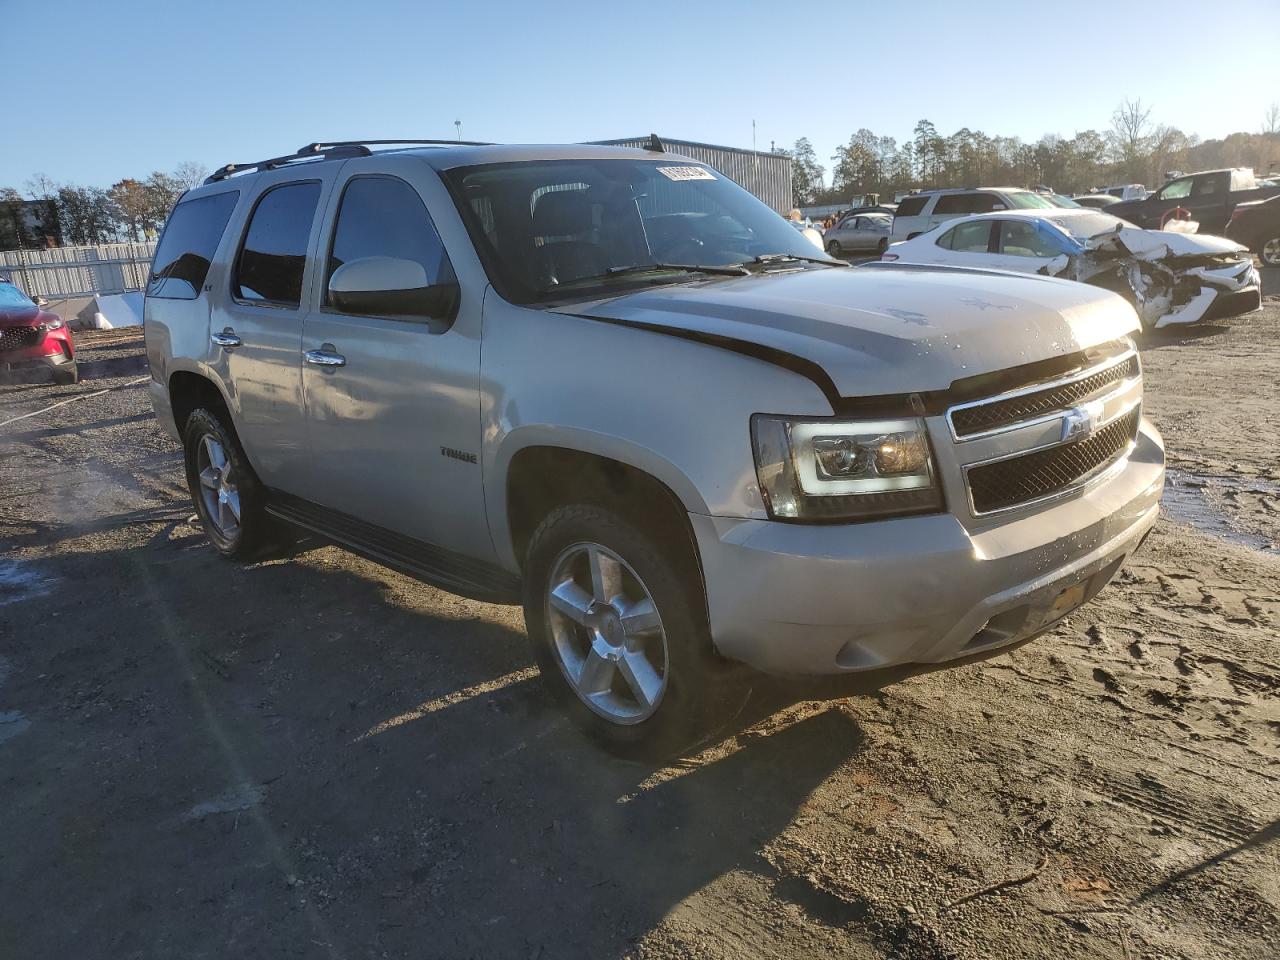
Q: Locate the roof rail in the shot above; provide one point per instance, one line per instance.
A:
(329, 144)
(332, 150)
(312, 152)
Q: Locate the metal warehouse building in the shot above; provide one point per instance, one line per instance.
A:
(767, 175)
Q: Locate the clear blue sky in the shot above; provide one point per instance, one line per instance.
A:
(116, 88)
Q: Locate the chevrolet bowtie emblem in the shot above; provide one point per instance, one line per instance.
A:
(1080, 422)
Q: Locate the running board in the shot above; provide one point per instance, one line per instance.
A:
(441, 568)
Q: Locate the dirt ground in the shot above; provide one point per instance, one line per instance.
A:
(317, 757)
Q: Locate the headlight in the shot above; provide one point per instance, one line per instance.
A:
(56, 324)
(831, 470)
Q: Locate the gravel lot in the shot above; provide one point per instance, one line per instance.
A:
(317, 757)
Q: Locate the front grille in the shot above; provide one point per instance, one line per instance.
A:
(15, 338)
(968, 421)
(1007, 483)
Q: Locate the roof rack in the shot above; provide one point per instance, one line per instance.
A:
(335, 150)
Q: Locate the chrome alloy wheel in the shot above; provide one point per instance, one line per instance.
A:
(217, 490)
(1271, 252)
(606, 633)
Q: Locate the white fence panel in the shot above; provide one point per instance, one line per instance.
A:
(79, 271)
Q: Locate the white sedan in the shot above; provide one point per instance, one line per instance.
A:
(1171, 278)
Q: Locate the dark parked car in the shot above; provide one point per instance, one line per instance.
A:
(33, 341)
(1208, 198)
(1257, 225)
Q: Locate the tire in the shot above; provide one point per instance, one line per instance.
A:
(833, 249)
(1269, 251)
(66, 374)
(912, 236)
(882, 246)
(692, 685)
(253, 530)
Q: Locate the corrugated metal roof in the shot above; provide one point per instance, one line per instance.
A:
(767, 175)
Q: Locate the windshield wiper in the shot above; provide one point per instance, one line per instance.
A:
(767, 258)
(736, 270)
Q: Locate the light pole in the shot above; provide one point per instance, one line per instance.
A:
(457, 125)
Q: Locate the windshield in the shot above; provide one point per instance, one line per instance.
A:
(1088, 223)
(554, 229)
(11, 296)
(1026, 200)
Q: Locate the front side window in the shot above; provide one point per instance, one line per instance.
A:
(384, 217)
(1178, 190)
(191, 238)
(273, 256)
(557, 229)
(972, 237)
(1026, 200)
(1021, 239)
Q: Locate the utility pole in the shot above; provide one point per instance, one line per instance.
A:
(457, 125)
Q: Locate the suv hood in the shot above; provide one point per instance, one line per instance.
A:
(885, 329)
(19, 316)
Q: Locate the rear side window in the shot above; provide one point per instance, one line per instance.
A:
(973, 237)
(954, 203)
(911, 206)
(1021, 239)
(191, 238)
(385, 217)
(274, 254)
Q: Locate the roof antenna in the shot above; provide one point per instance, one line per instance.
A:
(655, 144)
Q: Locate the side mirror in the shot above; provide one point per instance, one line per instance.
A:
(390, 287)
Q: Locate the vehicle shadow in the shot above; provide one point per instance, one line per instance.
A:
(317, 757)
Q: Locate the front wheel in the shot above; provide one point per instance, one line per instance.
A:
(833, 249)
(882, 246)
(619, 632)
(1270, 252)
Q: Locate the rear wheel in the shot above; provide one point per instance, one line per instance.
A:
(1270, 252)
(229, 499)
(882, 246)
(619, 632)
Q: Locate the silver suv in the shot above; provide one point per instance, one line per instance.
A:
(612, 386)
(921, 212)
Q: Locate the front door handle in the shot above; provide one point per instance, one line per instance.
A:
(325, 357)
(227, 339)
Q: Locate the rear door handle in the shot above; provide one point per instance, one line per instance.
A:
(325, 357)
(227, 339)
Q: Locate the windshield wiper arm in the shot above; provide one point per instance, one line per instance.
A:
(734, 270)
(767, 258)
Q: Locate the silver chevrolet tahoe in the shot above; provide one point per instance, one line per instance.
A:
(611, 385)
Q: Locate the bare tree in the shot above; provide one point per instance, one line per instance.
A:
(41, 186)
(1271, 120)
(189, 174)
(1131, 138)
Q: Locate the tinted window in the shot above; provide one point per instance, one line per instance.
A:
(911, 206)
(385, 217)
(274, 253)
(11, 296)
(1020, 239)
(985, 203)
(953, 204)
(971, 237)
(191, 238)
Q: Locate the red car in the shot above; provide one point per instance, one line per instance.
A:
(33, 341)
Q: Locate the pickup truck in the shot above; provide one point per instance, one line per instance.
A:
(1207, 197)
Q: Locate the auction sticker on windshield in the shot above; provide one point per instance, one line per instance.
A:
(686, 173)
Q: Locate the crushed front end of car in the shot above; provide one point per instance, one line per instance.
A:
(1171, 278)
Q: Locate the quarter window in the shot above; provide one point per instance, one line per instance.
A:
(385, 217)
(911, 206)
(191, 238)
(274, 254)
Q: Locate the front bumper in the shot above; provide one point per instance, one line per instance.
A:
(45, 357)
(800, 599)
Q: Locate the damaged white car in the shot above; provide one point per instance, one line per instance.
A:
(1170, 278)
